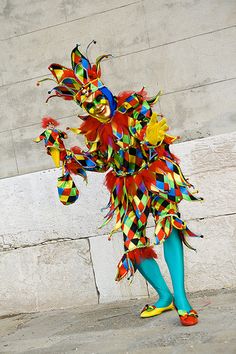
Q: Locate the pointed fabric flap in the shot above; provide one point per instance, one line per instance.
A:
(62, 91)
(71, 83)
(60, 72)
(80, 65)
(154, 99)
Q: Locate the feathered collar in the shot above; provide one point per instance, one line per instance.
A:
(107, 134)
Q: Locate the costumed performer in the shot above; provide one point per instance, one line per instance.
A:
(125, 136)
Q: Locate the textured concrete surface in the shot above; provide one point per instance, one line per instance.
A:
(117, 328)
(46, 218)
(55, 43)
(35, 225)
(183, 47)
(53, 276)
(15, 21)
(201, 112)
(176, 20)
(104, 262)
(202, 160)
(7, 155)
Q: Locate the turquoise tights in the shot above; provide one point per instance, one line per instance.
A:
(173, 253)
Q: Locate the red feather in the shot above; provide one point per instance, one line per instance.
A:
(110, 180)
(175, 158)
(140, 254)
(122, 96)
(76, 150)
(73, 166)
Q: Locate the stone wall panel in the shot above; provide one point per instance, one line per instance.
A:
(46, 277)
(177, 66)
(38, 214)
(54, 44)
(205, 111)
(20, 17)
(78, 8)
(7, 155)
(105, 256)
(169, 21)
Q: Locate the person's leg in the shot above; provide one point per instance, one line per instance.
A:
(151, 272)
(173, 253)
(134, 233)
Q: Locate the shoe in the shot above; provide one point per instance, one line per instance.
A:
(187, 318)
(151, 311)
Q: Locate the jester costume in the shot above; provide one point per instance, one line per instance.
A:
(124, 135)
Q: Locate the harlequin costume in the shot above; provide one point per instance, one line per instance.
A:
(125, 136)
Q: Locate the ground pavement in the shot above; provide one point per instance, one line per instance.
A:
(116, 329)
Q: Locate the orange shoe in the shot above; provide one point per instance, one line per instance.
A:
(188, 318)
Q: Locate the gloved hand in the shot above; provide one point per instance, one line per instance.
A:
(156, 131)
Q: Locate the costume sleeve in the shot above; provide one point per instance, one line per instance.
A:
(100, 162)
(62, 135)
(144, 125)
(90, 161)
(39, 138)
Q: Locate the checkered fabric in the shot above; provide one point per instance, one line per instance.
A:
(128, 161)
(138, 108)
(67, 190)
(80, 65)
(125, 267)
(142, 187)
(76, 83)
(143, 180)
(132, 214)
(52, 138)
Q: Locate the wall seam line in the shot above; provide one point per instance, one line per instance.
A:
(94, 275)
(176, 41)
(130, 53)
(14, 151)
(71, 21)
(198, 86)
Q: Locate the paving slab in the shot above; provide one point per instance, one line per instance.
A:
(117, 328)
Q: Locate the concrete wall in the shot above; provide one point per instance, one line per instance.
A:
(187, 49)
(53, 256)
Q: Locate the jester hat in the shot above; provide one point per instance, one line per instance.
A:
(80, 81)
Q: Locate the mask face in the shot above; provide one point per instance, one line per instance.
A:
(98, 106)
